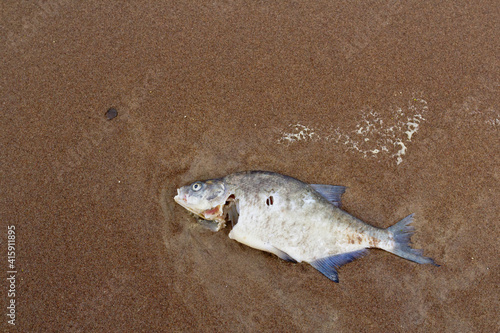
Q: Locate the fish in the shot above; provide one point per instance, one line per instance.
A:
(296, 221)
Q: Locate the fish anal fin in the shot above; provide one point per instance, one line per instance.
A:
(332, 193)
(328, 265)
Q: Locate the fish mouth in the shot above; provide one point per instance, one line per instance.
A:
(179, 200)
(182, 201)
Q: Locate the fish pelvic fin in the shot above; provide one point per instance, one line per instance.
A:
(401, 233)
(328, 266)
(282, 255)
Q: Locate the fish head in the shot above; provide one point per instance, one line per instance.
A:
(204, 198)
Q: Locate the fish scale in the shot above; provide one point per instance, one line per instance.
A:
(296, 221)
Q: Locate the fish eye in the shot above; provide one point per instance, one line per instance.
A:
(196, 186)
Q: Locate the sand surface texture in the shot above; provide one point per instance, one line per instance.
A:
(399, 101)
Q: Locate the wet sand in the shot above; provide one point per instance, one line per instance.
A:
(397, 101)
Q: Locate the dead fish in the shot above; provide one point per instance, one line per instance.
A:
(296, 221)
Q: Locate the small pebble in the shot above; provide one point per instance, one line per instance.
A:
(111, 113)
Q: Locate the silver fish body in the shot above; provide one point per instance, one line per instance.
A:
(294, 220)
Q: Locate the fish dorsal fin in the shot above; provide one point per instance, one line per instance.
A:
(332, 193)
(328, 266)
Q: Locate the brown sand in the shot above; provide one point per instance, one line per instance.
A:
(206, 90)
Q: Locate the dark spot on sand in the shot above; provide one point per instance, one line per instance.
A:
(111, 113)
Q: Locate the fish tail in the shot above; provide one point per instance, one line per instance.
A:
(401, 233)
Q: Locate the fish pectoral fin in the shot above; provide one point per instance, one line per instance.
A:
(328, 265)
(332, 193)
(233, 214)
(282, 255)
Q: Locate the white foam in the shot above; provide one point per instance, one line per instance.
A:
(300, 132)
(373, 135)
